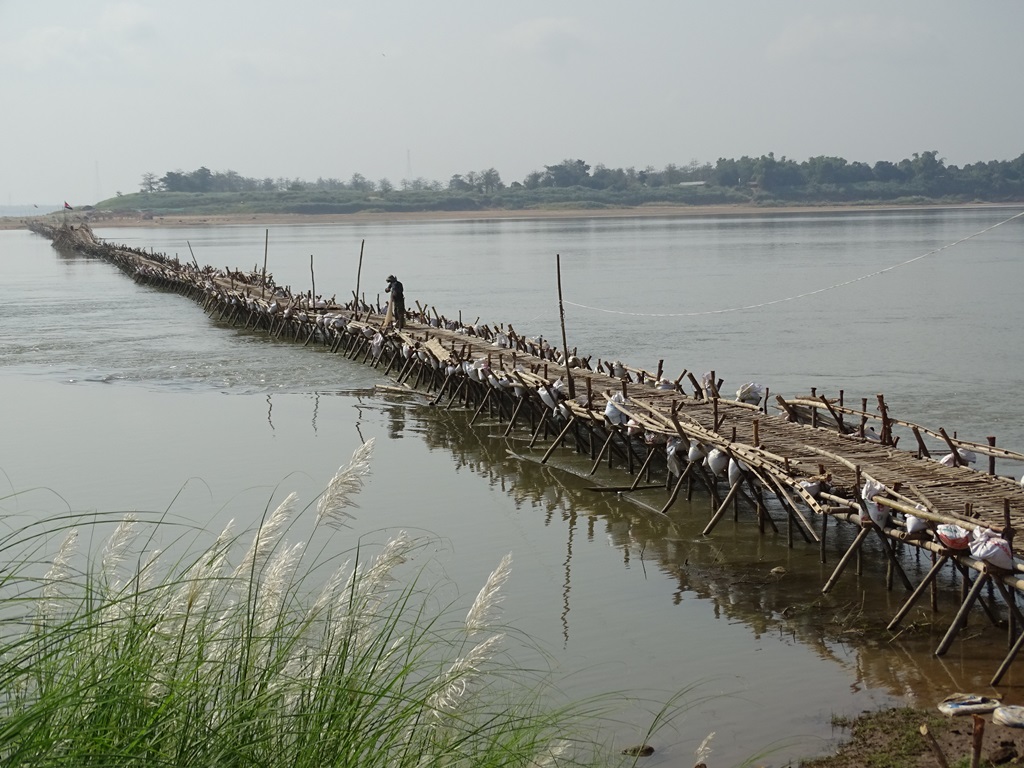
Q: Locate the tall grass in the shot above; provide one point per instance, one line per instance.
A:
(250, 653)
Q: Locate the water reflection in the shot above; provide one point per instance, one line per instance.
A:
(743, 577)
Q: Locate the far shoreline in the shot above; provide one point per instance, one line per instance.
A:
(99, 219)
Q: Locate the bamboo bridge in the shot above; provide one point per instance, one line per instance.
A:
(804, 463)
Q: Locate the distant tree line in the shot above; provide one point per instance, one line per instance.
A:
(764, 180)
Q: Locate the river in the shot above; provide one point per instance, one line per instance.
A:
(120, 397)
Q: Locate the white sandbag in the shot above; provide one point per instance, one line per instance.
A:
(717, 461)
(989, 546)
(612, 413)
(916, 524)
(707, 381)
(655, 438)
(966, 457)
(671, 459)
(953, 536)
(696, 452)
(813, 487)
(547, 396)
(1010, 715)
(959, 704)
(376, 345)
(878, 514)
(633, 427)
(736, 470)
(750, 393)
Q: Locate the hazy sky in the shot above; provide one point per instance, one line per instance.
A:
(94, 94)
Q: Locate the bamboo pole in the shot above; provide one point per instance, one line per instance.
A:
(359, 274)
(561, 317)
(961, 615)
(312, 277)
(263, 279)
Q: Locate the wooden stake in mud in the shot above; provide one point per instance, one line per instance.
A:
(561, 317)
(266, 247)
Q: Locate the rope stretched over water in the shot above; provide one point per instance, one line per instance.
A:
(807, 293)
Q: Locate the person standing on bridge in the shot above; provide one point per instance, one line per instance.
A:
(397, 292)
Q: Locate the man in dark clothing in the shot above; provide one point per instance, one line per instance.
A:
(397, 300)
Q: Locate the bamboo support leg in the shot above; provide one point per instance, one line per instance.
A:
(646, 464)
(901, 614)
(675, 490)
(821, 544)
(1005, 665)
(558, 440)
(961, 615)
(515, 414)
(721, 510)
(1008, 598)
(600, 454)
(541, 423)
(483, 401)
(444, 386)
(893, 561)
(854, 549)
(455, 393)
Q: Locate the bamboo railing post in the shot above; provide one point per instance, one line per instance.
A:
(266, 248)
(886, 424)
(312, 278)
(561, 316)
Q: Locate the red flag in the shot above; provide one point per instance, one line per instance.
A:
(67, 207)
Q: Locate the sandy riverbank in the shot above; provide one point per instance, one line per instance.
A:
(98, 219)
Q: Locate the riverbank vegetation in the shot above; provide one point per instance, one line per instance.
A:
(574, 184)
(266, 653)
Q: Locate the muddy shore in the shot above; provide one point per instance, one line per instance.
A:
(101, 219)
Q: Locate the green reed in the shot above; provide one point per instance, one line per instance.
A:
(250, 654)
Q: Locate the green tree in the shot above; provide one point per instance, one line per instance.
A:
(568, 173)
(150, 183)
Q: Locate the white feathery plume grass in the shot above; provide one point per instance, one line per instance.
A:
(266, 537)
(275, 586)
(370, 584)
(146, 577)
(57, 574)
(116, 547)
(704, 750)
(364, 593)
(391, 556)
(194, 593)
(489, 598)
(455, 682)
(345, 484)
(220, 547)
(329, 591)
(219, 639)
